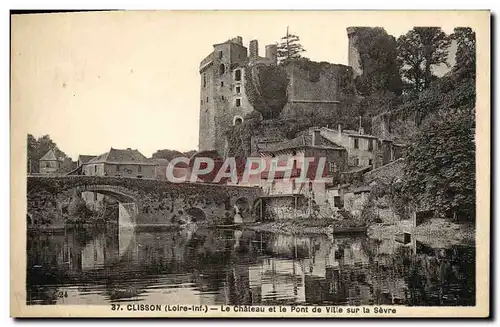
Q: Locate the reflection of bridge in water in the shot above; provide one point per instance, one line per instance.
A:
(226, 267)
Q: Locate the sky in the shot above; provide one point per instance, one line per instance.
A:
(130, 79)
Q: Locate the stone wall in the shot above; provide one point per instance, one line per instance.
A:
(286, 207)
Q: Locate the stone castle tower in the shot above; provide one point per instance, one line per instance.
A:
(353, 57)
(223, 102)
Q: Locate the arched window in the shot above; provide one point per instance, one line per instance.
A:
(222, 69)
(237, 120)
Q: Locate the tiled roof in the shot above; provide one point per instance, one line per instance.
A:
(306, 139)
(84, 158)
(49, 156)
(121, 156)
(356, 133)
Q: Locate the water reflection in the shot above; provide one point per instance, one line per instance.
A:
(242, 267)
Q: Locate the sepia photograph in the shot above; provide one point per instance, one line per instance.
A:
(250, 164)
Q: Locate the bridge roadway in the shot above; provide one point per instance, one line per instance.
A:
(155, 202)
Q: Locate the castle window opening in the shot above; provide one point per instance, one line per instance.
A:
(356, 162)
(220, 54)
(238, 89)
(207, 99)
(222, 69)
(237, 75)
(139, 169)
(356, 143)
(237, 120)
(201, 102)
(370, 162)
(117, 167)
(95, 169)
(238, 102)
(223, 98)
(370, 145)
(205, 80)
(222, 83)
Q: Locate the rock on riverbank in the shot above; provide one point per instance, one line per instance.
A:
(305, 226)
(437, 232)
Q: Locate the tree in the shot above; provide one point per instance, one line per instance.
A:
(419, 50)
(466, 51)
(378, 60)
(440, 165)
(289, 47)
(190, 153)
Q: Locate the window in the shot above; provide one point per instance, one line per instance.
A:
(207, 99)
(336, 202)
(117, 167)
(237, 75)
(221, 83)
(332, 167)
(238, 102)
(204, 80)
(238, 89)
(356, 162)
(370, 145)
(356, 143)
(222, 69)
(95, 169)
(201, 102)
(222, 98)
(139, 169)
(370, 162)
(221, 54)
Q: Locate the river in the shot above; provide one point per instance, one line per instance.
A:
(207, 266)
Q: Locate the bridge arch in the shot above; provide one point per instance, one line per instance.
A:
(196, 214)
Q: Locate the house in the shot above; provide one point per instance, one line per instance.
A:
(50, 163)
(291, 155)
(361, 148)
(120, 163)
(83, 159)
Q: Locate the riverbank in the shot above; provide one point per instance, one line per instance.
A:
(304, 226)
(437, 232)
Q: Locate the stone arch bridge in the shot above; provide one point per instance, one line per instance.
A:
(142, 201)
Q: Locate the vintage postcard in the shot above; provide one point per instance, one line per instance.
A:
(298, 164)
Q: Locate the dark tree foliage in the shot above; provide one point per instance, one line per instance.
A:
(170, 155)
(266, 89)
(440, 165)
(418, 51)
(378, 60)
(289, 47)
(466, 52)
(440, 162)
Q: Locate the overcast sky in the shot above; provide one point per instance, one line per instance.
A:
(130, 79)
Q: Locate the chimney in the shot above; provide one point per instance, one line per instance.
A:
(272, 53)
(254, 49)
(316, 137)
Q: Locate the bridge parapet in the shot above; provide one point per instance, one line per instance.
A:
(158, 202)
